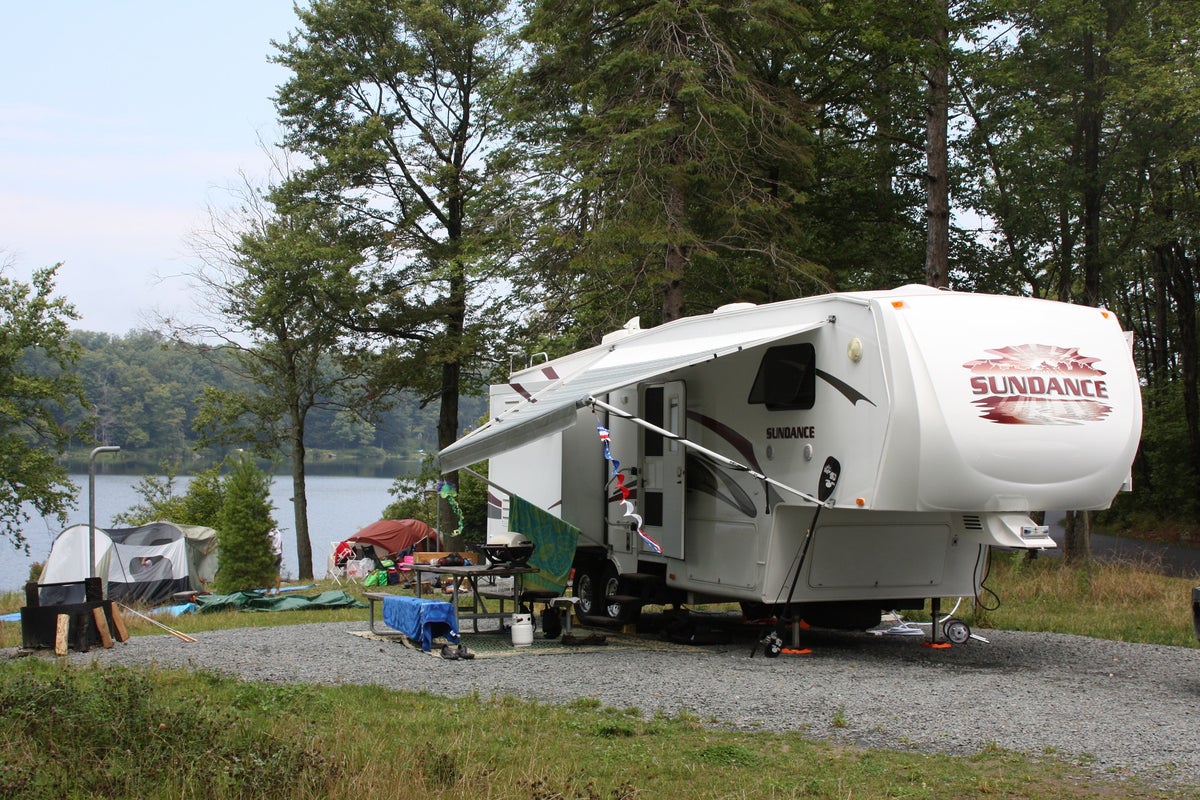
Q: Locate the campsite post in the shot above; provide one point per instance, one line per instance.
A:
(92, 516)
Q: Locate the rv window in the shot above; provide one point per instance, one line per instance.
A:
(652, 508)
(786, 379)
(653, 442)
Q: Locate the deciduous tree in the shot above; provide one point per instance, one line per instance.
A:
(34, 322)
(395, 105)
(262, 274)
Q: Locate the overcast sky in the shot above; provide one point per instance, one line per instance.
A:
(121, 122)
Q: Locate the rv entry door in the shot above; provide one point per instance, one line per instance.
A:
(661, 481)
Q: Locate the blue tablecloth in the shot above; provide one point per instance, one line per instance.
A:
(421, 619)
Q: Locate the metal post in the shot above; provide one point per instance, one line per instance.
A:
(92, 506)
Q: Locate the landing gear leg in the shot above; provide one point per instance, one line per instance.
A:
(935, 604)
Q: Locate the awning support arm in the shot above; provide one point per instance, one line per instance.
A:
(490, 483)
(728, 462)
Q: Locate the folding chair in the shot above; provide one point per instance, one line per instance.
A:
(332, 570)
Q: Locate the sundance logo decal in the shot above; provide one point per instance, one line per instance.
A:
(1038, 384)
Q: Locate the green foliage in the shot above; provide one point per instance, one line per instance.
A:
(243, 530)
(144, 390)
(395, 107)
(416, 498)
(116, 733)
(676, 152)
(199, 505)
(1163, 476)
(33, 330)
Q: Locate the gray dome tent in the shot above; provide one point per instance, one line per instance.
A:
(148, 564)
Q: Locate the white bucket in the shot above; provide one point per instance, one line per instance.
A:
(522, 630)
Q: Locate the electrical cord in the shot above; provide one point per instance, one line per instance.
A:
(983, 587)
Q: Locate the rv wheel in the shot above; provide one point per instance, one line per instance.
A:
(956, 630)
(587, 585)
(612, 586)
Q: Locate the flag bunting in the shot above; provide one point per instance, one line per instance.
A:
(627, 504)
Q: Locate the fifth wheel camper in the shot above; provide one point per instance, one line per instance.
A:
(847, 454)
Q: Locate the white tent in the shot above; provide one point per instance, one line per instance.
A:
(149, 563)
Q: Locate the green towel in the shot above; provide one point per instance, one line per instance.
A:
(554, 545)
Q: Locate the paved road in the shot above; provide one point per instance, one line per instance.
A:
(1176, 560)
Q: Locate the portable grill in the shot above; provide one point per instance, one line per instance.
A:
(512, 549)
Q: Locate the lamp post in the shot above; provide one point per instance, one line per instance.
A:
(92, 586)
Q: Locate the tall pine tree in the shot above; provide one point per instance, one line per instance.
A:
(673, 151)
(246, 561)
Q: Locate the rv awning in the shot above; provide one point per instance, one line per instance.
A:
(625, 362)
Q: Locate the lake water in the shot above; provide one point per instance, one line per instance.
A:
(338, 506)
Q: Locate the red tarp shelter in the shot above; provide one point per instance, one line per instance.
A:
(388, 536)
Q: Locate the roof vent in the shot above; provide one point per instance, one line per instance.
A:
(733, 307)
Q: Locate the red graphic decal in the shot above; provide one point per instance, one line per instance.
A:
(1039, 358)
(1038, 384)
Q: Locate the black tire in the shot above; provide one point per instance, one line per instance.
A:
(587, 587)
(610, 584)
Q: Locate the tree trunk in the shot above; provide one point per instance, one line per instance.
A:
(937, 167)
(300, 500)
(450, 392)
(675, 262)
(1077, 550)
(1183, 291)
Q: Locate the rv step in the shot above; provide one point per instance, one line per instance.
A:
(626, 600)
(640, 577)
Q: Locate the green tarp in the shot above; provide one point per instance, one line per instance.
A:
(554, 544)
(255, 601)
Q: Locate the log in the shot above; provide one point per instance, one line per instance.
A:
(106, 638)
(122, 633)
(61, 644)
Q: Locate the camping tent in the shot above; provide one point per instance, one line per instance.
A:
(385, 538)
(148, 563)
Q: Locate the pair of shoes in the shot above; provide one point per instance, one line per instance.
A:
(450, 652)
(568, 638)
(464, 653)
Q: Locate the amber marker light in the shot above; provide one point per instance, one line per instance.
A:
(861, 501)
(897, 304)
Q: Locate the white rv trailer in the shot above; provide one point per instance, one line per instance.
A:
(927, 426)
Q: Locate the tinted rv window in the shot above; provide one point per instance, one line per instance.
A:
(786, 379)
(654, 415)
